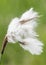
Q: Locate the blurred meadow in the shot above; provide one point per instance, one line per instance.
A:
(14, 54)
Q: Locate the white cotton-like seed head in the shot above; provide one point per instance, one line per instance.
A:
(25, 32)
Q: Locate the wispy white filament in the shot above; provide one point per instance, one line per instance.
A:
(25, 32)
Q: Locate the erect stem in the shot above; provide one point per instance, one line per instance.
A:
(4, 45)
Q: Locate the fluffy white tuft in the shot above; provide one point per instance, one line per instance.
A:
(25, 32)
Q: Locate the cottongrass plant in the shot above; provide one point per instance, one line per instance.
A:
(22, 30)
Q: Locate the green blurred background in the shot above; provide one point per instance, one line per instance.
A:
(14, 54)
